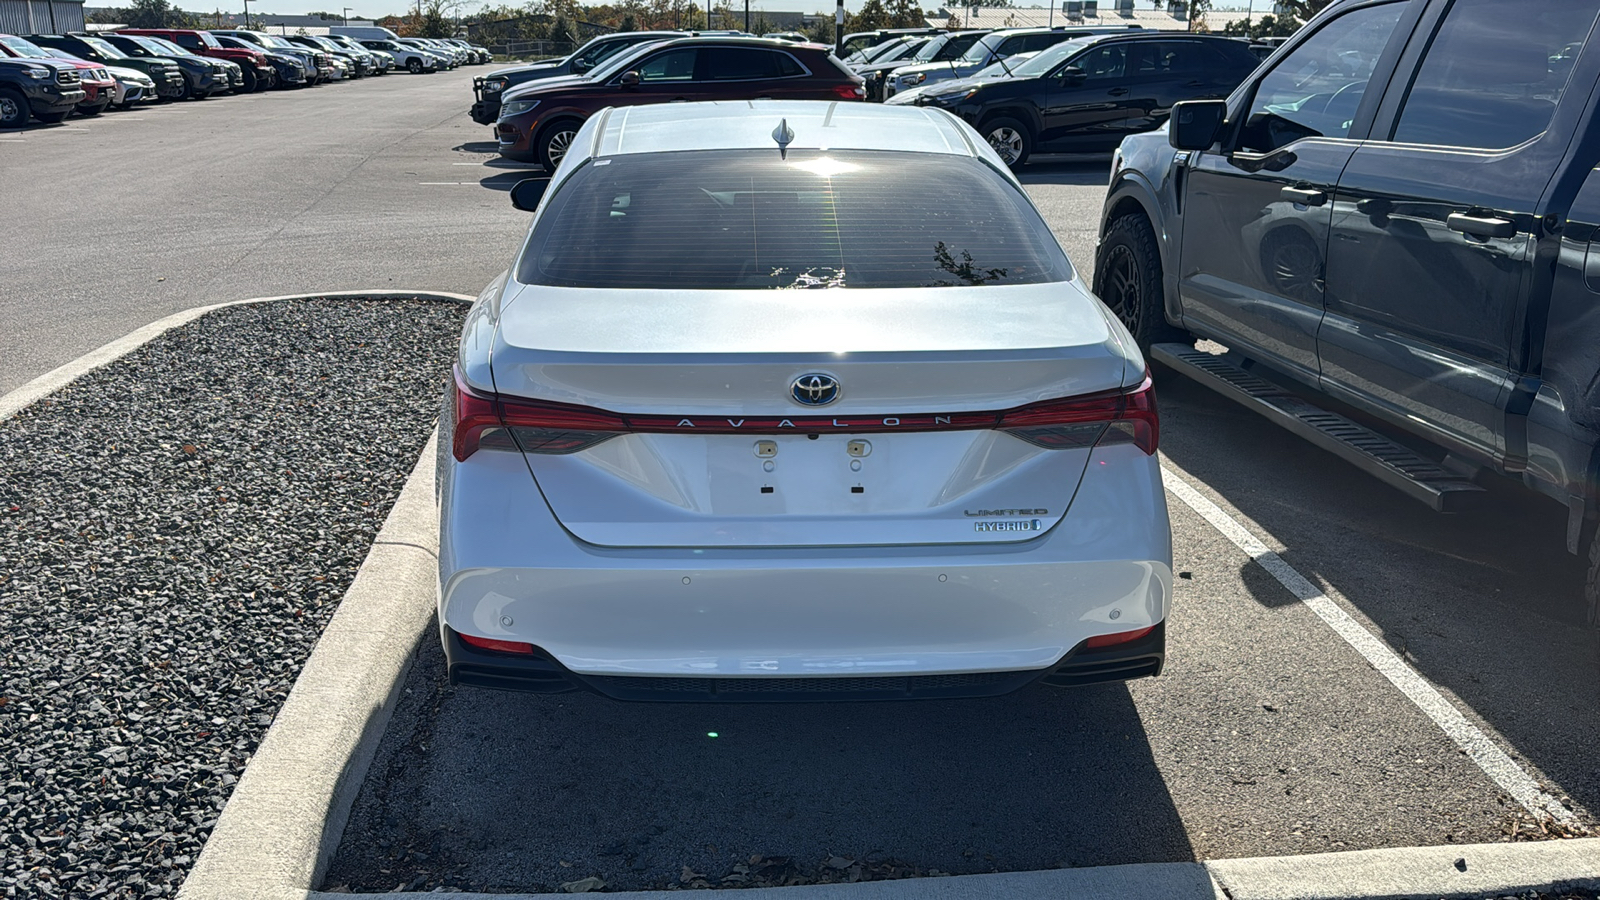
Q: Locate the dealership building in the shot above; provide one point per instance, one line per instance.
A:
(40, 16)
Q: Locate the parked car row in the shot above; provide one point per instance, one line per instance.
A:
(537, 120)
(49, 76)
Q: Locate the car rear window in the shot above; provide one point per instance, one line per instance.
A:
(739, 220)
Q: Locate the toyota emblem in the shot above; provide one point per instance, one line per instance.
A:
(815, 389)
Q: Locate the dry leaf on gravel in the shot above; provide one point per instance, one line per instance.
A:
(583, 885)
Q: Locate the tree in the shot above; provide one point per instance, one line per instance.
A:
(1266, 26)
(155, 14)
(561, 29)
(873, 15)
(628, 23)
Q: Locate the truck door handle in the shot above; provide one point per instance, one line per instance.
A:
(1303, 196)
(1117, 92)
(1481, 226)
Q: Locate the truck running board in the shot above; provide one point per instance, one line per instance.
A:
(1399, 467)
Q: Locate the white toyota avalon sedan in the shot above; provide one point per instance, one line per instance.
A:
(795, 401)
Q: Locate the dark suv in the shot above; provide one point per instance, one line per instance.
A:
(1086, 94)
(45, 89)
(994, 46)
(258, 71)
(538, 121)
(166, 73)
(487, 89)
(1399, 212)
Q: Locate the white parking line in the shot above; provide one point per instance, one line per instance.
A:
(447, 182)
(1494, 762)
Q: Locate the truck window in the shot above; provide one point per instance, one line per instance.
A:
(1491, 80)
(1315, 90)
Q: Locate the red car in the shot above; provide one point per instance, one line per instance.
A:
(99, 87)
(538, 120)
(258, 71)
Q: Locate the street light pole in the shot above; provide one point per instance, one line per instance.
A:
(838, 29)
(347, 15)
(246, 13)
(746, 15)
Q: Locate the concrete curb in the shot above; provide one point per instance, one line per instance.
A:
(58, 378)
(1467, 870)
(283, 822)
(279, 831)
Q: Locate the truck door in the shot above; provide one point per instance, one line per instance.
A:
(1256, 215)
(1436, 221)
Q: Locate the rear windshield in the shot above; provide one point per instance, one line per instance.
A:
(741, 220)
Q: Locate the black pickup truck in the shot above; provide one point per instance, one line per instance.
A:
(1397, 214)
(45, 89)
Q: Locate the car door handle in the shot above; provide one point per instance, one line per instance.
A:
(1117, 92)
(1303, 196)
(1481, 226)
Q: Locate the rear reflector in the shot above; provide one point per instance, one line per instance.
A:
(483, 643)
(1121, 637)
(536, 426)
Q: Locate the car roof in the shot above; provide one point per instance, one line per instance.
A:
(749, 125)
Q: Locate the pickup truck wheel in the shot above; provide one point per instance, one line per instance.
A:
(414, 66)
(1127, 276)
(13, 109)
(1009, 138)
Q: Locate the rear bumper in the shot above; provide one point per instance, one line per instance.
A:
(541, 673)
(509, 571)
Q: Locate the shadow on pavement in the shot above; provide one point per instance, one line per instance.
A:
(505, 181)
(1079, 172)
(1487, 605)
(497, 791)
(477, 147)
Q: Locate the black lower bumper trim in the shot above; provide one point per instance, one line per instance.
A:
(542, 673)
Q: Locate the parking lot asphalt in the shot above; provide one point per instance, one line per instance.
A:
(1267, 734)
(119, 220)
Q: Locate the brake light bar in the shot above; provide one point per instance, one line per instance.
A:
(536, 426)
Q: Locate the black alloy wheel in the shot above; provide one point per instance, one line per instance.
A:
(414, 66)
(1127, 278)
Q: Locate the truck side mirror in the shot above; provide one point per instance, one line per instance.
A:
(1196, 124)
(525, 194)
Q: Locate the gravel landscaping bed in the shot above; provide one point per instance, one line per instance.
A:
(175, 530)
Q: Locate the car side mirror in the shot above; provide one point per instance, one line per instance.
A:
(581, 65)
(1073, 75)
(630, 79)
(1196, 124)
(525, 194)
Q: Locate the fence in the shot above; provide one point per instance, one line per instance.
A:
(533, 49)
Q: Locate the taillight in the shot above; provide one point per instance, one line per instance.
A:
(850, 90)
(535, 426)
(1121, 637)
(1095, 420)
(498, 646)
(505, 423)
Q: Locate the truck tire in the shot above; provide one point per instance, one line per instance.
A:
(1009, 138)
(1127, 277)
(13, 109)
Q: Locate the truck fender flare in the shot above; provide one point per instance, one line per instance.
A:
(1132, 192)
